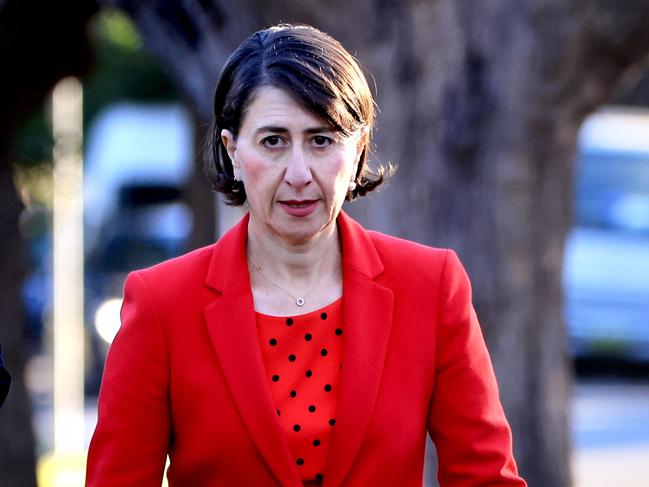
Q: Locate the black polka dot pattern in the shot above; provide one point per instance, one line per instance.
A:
(302, 354)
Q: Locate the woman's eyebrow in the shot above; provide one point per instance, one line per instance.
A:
(324, 128)
(272, 128)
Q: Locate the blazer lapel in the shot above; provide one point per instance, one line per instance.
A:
(367, 319)
(232, 330)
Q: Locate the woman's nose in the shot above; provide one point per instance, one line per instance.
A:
(298, 170)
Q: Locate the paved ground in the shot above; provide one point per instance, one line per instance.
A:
(610, 434)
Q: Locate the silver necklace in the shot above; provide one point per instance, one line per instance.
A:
(299, 300)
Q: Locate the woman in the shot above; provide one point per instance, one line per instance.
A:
(300, 349)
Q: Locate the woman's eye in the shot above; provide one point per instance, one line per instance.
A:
(271, 141)
(321, 140)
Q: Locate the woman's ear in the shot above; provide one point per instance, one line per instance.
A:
(230, 144)
(363, 139)
(361, 146)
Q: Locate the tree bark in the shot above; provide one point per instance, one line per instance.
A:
(17, 462)
(480, 106)
(198, 189)
(40, 43)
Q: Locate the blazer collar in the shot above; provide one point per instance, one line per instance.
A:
(367, 318)
(228, 265)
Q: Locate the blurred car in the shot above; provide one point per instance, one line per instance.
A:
(606, 268)
(151, 223)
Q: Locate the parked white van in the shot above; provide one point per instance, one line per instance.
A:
(606, 272)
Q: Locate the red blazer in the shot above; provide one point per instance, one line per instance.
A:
(185, 376)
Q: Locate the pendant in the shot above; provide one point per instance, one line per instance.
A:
(299, 301)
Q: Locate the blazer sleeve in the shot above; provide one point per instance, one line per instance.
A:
(466, 420)
(130, 443)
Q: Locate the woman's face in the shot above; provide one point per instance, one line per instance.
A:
(296, 168)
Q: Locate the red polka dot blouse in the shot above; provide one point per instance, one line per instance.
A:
(302, 356)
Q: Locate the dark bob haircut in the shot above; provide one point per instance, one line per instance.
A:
(311, 66)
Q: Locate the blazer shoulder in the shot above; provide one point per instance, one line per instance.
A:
(399, 250)
(179, 272)
(416, 261)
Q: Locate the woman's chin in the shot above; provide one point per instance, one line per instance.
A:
(294, 230)
(301, 230)
(300, 233)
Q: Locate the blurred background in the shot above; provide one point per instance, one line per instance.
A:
(521, 133)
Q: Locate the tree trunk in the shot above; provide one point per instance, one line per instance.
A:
(40, 43)
(480, 106)
(17, 462)
(198, 192)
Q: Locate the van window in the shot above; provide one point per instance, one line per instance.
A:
(613, 191)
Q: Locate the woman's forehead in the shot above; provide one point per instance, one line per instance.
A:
(275, 107)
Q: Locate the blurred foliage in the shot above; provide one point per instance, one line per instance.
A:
(122, 71)
(118, 29)
(35, 185)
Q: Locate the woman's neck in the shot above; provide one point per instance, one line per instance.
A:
(282, 271)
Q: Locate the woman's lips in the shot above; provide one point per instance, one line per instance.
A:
(299, 208)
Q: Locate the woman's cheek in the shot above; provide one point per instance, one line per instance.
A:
(254, 171)
(255, 166)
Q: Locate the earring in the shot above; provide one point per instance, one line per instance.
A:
(236, 185)
(352, 186)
